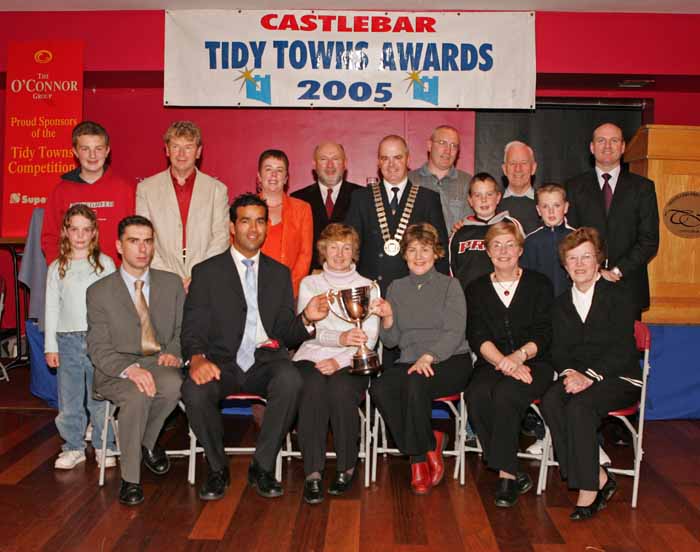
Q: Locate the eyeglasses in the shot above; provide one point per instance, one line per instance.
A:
(446, 144)
(575, 259)
(508, 246)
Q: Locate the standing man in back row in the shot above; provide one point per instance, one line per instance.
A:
(622, 207)
(440, 175)
(519, 167)
(188, 209)
(329, 196)
(381, 213)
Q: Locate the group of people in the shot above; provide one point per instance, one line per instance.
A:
(180, 296)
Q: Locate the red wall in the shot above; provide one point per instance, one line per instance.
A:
(578, 55)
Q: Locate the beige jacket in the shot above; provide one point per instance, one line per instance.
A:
(207, 221)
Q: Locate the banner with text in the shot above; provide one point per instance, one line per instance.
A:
(450, 60)
(44, 101)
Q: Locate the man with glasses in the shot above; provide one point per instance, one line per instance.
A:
(519, 167)
(440, 175)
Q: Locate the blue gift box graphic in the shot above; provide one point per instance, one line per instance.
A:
(259, 89)
(426, 90)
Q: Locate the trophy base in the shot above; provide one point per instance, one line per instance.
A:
(365, 364)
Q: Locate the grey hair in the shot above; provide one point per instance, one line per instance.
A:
(517, 143)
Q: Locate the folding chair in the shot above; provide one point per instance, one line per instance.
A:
(194, 449)
(457, 451)
(542, 475)
(642, 337)
(365, 441)
(111, 420)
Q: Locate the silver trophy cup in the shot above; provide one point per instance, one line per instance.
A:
(354, 309)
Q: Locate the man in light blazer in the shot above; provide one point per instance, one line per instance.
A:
(188, 209)
(329, 197)
(629, 226)
(134, 319)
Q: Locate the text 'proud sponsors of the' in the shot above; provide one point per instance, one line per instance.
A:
(350, 59)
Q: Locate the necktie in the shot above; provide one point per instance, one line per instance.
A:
(149, 343)
(329, 203)
(246, 352)
(607, 192)
(394, 203)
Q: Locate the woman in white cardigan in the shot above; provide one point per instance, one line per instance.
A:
(330, 393)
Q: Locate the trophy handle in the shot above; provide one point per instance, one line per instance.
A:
(333, 297)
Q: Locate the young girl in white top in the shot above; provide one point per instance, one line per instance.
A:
(79, 264)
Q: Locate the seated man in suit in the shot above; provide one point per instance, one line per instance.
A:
(329, 197)
(188, 208)
(239, 319)
(134, 318)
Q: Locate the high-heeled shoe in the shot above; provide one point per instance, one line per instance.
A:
(587, 512)
(610, 486)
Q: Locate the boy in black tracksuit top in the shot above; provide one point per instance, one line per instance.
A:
(541, 251)
(468, 257)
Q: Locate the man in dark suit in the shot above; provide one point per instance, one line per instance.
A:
(239, 319)
(329, 197)
(390, 201)
(622, 207)
(134, 318)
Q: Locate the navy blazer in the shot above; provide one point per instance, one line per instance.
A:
(630, 230)
(215, 309)
(312, 195)
(362, 215)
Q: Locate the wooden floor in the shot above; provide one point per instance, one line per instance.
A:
(45, 509)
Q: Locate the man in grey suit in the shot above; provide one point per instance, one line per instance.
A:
(134, 318)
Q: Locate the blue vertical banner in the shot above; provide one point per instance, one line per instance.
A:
(324, 58)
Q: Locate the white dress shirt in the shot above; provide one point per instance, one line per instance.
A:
(260, 334)
(335, 190)
(401, 186)
(614, 175)
(129, 281)
(583, 300)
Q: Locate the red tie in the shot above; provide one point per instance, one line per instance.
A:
(329, 203)
(607, 192)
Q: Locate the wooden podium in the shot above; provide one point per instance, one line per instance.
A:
(670, 156)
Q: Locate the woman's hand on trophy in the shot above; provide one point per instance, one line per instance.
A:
(355, 337)
(423, 366)
(328, 366)
(317, 308)
(381, 307)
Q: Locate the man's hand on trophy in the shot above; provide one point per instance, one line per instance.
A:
(354, 337)
(317, 308)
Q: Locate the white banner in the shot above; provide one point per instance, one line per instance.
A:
(450, 60)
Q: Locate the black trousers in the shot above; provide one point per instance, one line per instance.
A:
(405, 400)
(574, 420)
(333, 399)
(497, 404)
(274, 377)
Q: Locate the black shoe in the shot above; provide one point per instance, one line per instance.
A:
(506, 493)
(263, 481)
(524, 482)
(342, 482)
(130, 494)
(313, 491)
(587, 512)
(532, 424)
(156, 460)
(609, 488)
(509, 490)
(215, 486)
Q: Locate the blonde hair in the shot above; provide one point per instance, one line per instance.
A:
(64, 248)
(338, 232)
(502, 228)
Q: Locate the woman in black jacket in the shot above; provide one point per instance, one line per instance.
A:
(510, 328)
(595, 354)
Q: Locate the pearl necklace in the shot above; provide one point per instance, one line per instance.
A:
(506, 290)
